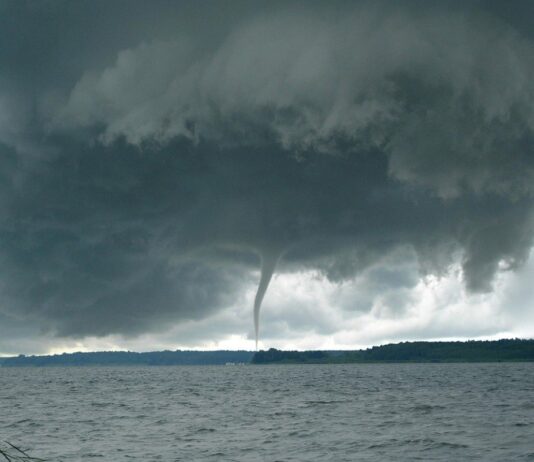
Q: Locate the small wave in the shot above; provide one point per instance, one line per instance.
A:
(321, 402)
(205, 430)
(430, 444)
(426, 408)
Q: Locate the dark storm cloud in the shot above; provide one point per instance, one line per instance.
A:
(151, 156)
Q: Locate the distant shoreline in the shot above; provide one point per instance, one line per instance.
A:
(128, 358)
(479, 351)
(506, 350)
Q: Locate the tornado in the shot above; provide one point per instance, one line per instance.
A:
(268, 265)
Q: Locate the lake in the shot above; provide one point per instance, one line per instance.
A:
(362, 412)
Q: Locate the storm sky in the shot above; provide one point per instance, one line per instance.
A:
(153, 154)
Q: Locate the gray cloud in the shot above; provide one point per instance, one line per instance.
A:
(145, 173)
(429, 89)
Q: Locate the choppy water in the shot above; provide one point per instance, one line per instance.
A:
(449, 412)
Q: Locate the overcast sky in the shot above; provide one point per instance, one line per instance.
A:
(378, 156)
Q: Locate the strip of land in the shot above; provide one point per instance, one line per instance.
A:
(129, 358)
(471, 351)
(508, 350)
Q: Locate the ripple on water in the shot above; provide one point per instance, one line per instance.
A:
(301, 413)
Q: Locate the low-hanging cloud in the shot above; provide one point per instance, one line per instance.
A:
(447, 97)
(142, 190)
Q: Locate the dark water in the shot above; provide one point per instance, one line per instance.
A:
(449, 412)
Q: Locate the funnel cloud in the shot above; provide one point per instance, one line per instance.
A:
(385, 150)
(268, 265)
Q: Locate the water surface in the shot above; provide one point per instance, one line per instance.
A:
(397, 412)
